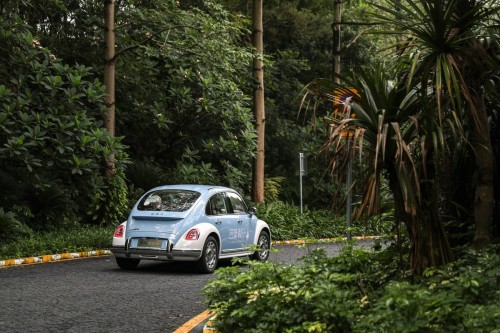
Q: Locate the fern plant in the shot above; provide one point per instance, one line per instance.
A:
(10, 227)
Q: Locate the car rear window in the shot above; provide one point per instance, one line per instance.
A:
(168, 200)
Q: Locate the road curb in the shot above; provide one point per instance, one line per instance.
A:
(322, 240)
(196, 324)
(52, 257)
(95, 253)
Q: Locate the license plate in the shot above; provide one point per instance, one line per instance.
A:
(149, 243)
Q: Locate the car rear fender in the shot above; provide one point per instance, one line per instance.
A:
(205, 230)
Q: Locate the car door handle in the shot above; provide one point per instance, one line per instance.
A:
(240, 221)
(218, 222)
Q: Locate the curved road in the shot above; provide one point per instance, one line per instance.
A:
(94, 295)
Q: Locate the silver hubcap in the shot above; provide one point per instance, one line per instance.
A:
(211, 255)
(264, 246)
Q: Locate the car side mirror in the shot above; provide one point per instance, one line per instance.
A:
(252, 210)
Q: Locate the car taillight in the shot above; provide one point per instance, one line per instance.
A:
(119, 231)
(193, 234)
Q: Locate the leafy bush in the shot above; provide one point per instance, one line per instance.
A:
(10, 227)
(110, 203)
(53, 147)
(461, 297)
(270, 297)
(144, 175)
(272, 188)
(287, 222)
(358, 291)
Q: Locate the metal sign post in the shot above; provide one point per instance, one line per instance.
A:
(301, 173)
(345, 101)
(349, 192)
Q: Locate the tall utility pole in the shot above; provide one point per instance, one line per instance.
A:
(258, 102)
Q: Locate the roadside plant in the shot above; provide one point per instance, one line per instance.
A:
(357, 290)
(287, 222)
(459, 297)
(10, 227)
(270, 297)
(404, 122)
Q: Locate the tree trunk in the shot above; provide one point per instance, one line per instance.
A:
(429, 246)
(484, 202)
(109, 76)
(109, 65)
(336, 28)
(258, 105)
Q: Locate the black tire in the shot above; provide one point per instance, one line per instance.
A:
(264, 243)
(209, 257)
(127, 263)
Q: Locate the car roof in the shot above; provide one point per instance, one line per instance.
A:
(192, 187)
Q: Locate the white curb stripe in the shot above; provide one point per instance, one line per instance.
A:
(52, 257)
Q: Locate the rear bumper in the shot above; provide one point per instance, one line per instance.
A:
(173, 255)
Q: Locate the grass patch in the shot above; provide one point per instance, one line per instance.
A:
(79, 239)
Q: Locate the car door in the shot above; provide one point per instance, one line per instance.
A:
(218, 214)
(243, 230)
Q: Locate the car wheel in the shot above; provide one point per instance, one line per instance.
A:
(127, 263)
(209, 257)
(263, 243)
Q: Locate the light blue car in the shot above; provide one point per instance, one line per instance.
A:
(199, 223)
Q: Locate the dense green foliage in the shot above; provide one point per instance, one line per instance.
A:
(194, 121)
(53, 147)
(298, 45)
(360, 290)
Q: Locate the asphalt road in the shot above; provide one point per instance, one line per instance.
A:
(94, 295)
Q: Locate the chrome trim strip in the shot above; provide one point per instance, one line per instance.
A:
(234, 251)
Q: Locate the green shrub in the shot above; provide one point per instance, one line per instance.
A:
(110, 203)
(10, 227)
(270, 297)
(77, 239)
(272, 188)
(143, 175)
(358, 291)
(287, 222)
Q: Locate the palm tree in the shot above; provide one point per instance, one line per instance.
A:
(405, 128)
(389, 137)
(450, 63)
